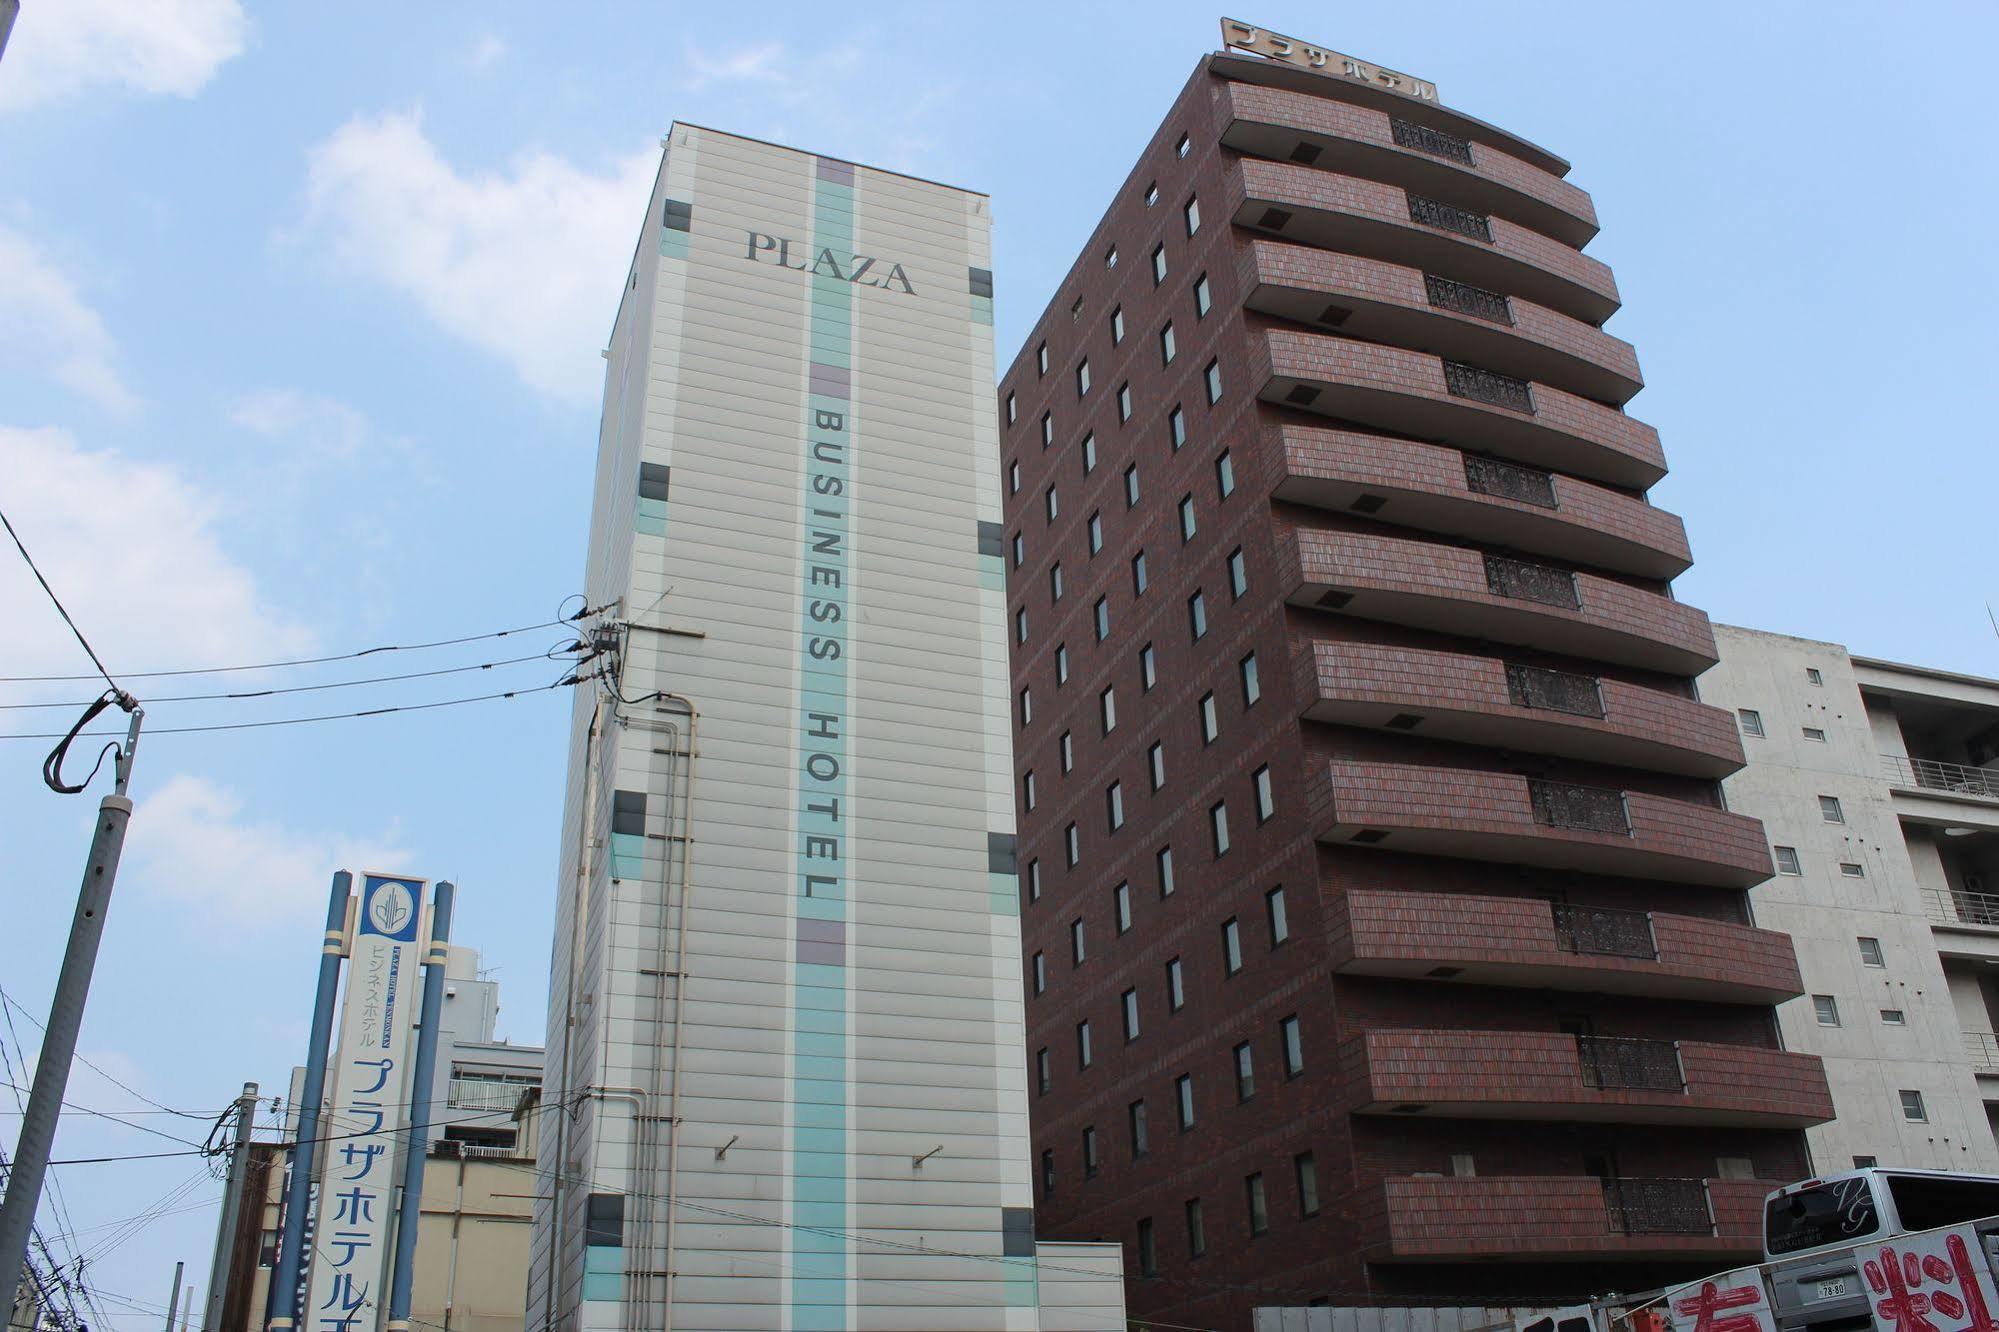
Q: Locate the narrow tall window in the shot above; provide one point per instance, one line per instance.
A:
(1043, 1077)
(1041, 359)
(1245, 1072)
(1218, 825)
(1013, 478)
(1259, 785)
(1225, 475)
(1138, 582)
(1148, 1252)
(1197, 617)
(1114, 805)
(1163, 860)
(1183, 1099)
(1020, 625)
(1083, 377)
(1252, 688)
(1083, 1053)
(1117, 326)
(1090, 1161)
(1210, 723)
(1197, 1231)
(1096, 526)
(1212, 377)
(1089, 453)
(1027, 789)
(1019, 549)
(1306, 1171)
(1294, 1046)
(1158, 263)
(1047, 1170)
(1077, 951)
(1121, 907)
(1231, 947)
(1124, 402)
(1141, 1140)
(1131, 486)
(1259, 1213)
(1052, 504)
(1155, 763)
(1188, 525)
(1274, 914)
(1204, 300)
(1065, 748)
(1148, 670)
(1061, 663)
(1102, 617)
(1055, 581)
(1012, 409)
(1169, 347)
(1238, 574)
(1072, 845)
(1107, 708)
(1040, 971)
(1182, 148)
(1176, 427)
(1034, 880)
(1128, 1003)
(1026, 706)
(1176, 986)
(1047, 429)
(1192, 212)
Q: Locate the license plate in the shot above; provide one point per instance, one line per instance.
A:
(1832, 1288)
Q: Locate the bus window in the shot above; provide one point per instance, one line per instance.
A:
(1924, 1202)
(1839, 1211)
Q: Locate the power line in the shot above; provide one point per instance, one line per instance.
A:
(302, 661)
(240, 694)
(103, 1114)
(60, 610)
(9, 1002)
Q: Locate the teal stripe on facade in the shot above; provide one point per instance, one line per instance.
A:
(821, 1143)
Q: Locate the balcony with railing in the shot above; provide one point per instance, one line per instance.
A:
(1379, 300)
(1456, 591)
(500, 1095)
(1933, 776)
(1450, 402)
(1530, 943)
(1339, 136)
(1568, 1217)
(1484, 700)
(1962, 909)
(1431, 488)
(1440, 232)
(1981, 1050)
(1512, 819)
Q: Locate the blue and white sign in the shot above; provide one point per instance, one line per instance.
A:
(367, 1109)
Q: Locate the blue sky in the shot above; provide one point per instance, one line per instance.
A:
(299, 319)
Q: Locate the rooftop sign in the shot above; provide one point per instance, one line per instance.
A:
(1290, 51)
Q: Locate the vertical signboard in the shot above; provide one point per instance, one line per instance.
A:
(1936, 1281)
(350, 1254)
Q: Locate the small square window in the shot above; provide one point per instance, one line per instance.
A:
(1131, 486)
(1183, 1099)
(1055, 581)
(1121, 907)
(1787, 860)
(1114, 805)
(1102, 613)
(1073, 845)
(1204, 299)
(1275, 915)
(1830, 811)
(1852, 869)
(1464, 1165)
(1148, 669)
(1152, 194)
(1218, 826)
(1192, 214)
(1865, 1162)
(1815, 734)
(1163, 860)
(1826, 1009)
(1176, 986)
(1124, 402)
(1041, 359)
(1813, 677)
(1187, 524)
(1180, 149)
(1013, 478)
(1293, 1040)
(1734, 1167)
(1870, 952)
(1158, 263)
(1040, 971)
(1107, 708)
(1212, 377)
(1083, 377)
(1197, 616)
(1084, 1054)
(1061, 663)
(1138, 581)
(1169, 346)
(1225, 475)
(1259, 1212)
(1245, 1072)
(1912, 1107)
(1238, 575)
(1210, 719)
(1892, 1017)
(1752, 721)
(1128, 1003)
(1252, 688)
(1117, 326)
(1012, 409)
(1259, 784)
(1077, 952)
(1176, 427)
(1089, 453)
(1096, 527)
(1067, 747)
(1155, 760)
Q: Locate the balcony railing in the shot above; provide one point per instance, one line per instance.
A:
(1431, 213)
(1468, 300)
(1488, 386)
(1605, 931)
(1982, 1049)
(1951, 906)
(486, 1093)
(1620, 1062)
(1658, 1206)
(1554, 691)
(1423, 139)
(1589, 808)
(1529, 485)
(1531, 582)
(1931, 775)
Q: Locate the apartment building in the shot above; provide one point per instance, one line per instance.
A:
(1388, 938)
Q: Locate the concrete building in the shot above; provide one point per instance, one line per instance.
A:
(1878, 784)
(1388, 935)
(784, 1085)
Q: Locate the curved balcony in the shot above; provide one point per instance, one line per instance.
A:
(1357, 140)
(1416, 393)
(1568, 1217)
(1366, 217)
(1530, 943)
(1500, 816)
(1536, 1075)
(1444, 490)
(1406, 307)
(1463, 592)
(1483, 700)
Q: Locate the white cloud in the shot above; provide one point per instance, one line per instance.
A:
(62, 47)
(131, 549)
(749, 64)
(194, 847)
(488, 51)
(525, 263)
(46, 328)
(315, 424)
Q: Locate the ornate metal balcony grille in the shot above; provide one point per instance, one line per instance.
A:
(1423, 139)
(1554, 691)
(1433, 214)
(1589, 808)
(1658, 1206)
(1618, 1062)
(1604, 931)
(1529, 485)
(1468, 300)
(1531, 582)
(1488, 386)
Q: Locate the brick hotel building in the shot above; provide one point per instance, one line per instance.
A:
(1387, 935)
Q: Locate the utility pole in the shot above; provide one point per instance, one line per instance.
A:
(232, 1210)
(173, 1301)
(79, 960)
